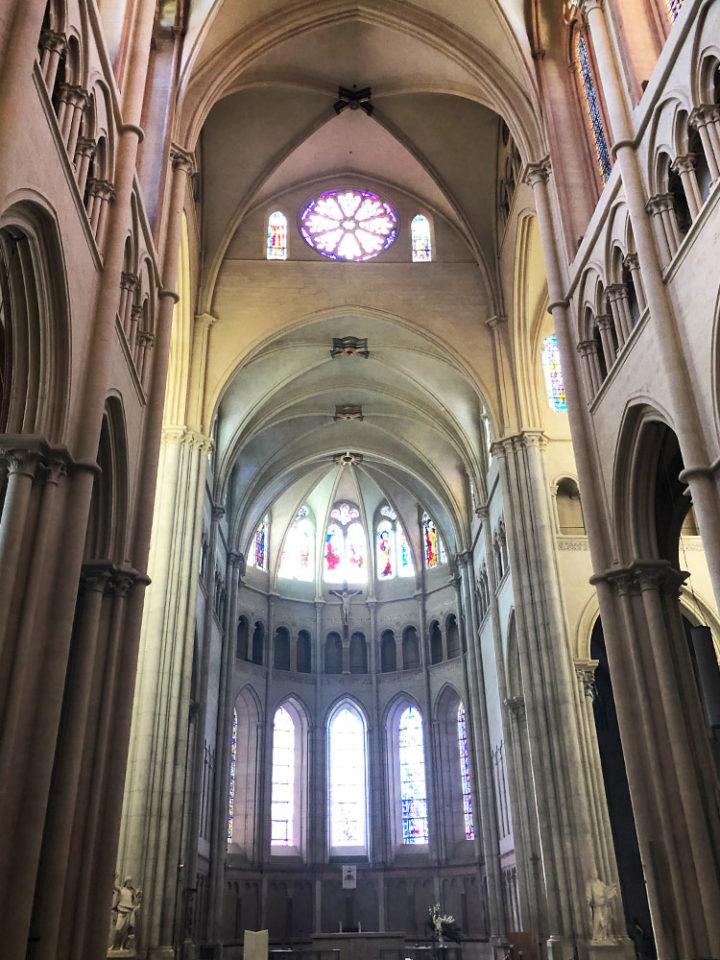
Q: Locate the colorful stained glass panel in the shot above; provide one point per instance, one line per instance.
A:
(348, 224)
(553, 375)
(421, 242)
(282, 799)
(277, 236)
(385, 550)
(413, 792)
(233, 761)
(584, 69)
(465, 778)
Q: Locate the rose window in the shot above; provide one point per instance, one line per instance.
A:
(348, 224)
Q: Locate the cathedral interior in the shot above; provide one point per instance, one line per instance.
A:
(360, 479)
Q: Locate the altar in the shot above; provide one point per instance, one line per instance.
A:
(360, 946)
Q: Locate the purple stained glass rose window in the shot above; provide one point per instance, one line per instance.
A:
(348, 224)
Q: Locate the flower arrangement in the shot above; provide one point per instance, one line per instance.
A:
(442, 924)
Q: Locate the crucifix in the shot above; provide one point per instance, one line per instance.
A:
(345, 596)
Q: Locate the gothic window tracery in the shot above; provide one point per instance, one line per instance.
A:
(297, 561)
(465, 776)
(345, 553)
(393, 556)
(348, 224)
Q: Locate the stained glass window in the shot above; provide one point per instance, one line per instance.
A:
(282, 801)
(345, 552)
(584, 69)
(297, 558)
(277, 236)
(233, 761)
(421, 243)
(465, 774)
(258, 552)
(393, 555)
(348, 224)
(673, 8)
(413, 794)
(385, 550)
(553, 374)
(348, 793)
(435, 554)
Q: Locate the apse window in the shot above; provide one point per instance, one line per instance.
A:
(352, 225)
(554, 382)
(434, 548)
(592, 107)
(413, 790)
(394, 558)
(276, 248)
(345, 555)
(297, 561)
(347, 776)
(233, 763)
(258, 552)
(421, 239)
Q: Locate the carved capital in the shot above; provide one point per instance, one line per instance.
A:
(129, 282)
(631, 262)
(535, 173)
(86, 147)
(659, 203)
(146, 339)
(587, 348)
(616, 291)
(102, 189)
(604, 322)
(684, 163)
(586, 7)
(704, 114)
(515, 708)
(182, 159)
(585, 672)
(218, 512)
(53, 42)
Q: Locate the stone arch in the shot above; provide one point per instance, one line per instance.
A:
(242, 638)
(35, 323)
(245, 812)
(105, 536)
(410, 648)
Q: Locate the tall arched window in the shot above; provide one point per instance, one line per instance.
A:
(233, 761)
(345, 556)
(297, 561)
(277, 236)
(673, 8)
(347, 778)
(282, 803)
(393, 556)
(435, 554)
(592, 105)
(421, 239)
(554, 382)
(258, 550)
(465, 778)
(413, 791)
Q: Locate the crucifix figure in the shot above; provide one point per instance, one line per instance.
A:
(345, 596)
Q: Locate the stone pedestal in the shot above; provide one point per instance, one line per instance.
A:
(619, 949)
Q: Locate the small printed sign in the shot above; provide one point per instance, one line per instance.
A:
(349, 876)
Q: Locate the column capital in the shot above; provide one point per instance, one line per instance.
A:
(101, 188)
(515, 708)
(86, 147)
(182, 159)
(684, 163)
(631, 261)
(494, 322)
(587, 6)
(659, 203)
(218, 512)
(704, 114)
(538, 172)
(587, 348)
(585, 672)
(130, 282)
(615, 292)
(604, 321)
(205, 320)
(53, 41)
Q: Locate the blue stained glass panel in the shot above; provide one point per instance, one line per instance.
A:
(593, 107)
(465, 778)
(673, 8)
(413, 792)
(233, 760)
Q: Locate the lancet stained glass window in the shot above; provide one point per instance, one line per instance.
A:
(348, 792)
(673, 8)
(465, 779)
(421, 241)
(553, 374)
(435, 554)
(345, 551)
(348, 224)
(584, 69)
(277, 236)
(393, 556)
(282, 801)
(297, 559)
(258, 552)
(413, 792)
(233, 761)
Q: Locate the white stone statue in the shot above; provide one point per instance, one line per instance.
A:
(600, 896)
(126, 903)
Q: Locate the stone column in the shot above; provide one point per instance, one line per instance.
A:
(605, 326)
(633, 265)
(84, 153)
(706, 120)
(129, 282)
(685, 166)
(587, 349)
(661, 210)
(53, 45)
(620, 308)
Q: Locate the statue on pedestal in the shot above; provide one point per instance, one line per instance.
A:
(600, 896)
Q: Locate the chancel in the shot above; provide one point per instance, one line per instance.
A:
(359, 479)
